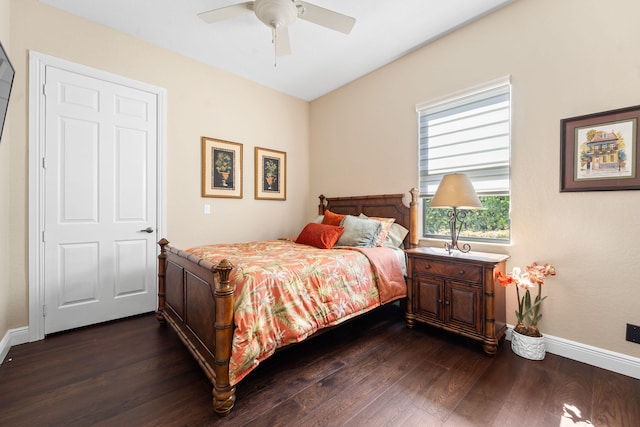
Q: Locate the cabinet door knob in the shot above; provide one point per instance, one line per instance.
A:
(427, 267)
(461, 272)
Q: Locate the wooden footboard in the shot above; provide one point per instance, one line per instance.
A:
(196, 300)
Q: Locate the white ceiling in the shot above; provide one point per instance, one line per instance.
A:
(321, 60)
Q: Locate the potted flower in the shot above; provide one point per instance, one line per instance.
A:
(223, 166)
(270, 172)
(527, 341)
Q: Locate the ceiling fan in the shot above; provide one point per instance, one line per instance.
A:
(279, 14)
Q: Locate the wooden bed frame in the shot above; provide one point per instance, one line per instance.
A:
(196, 299)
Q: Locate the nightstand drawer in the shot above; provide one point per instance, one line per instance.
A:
(448, 269)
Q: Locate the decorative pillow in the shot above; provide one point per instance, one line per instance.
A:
(396, 236)
(319, 235)
(384, 231)
(359, 232)
(318, 219)
(331, 218)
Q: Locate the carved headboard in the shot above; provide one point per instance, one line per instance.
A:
(384, 206)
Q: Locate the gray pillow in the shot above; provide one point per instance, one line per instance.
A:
(359, 232)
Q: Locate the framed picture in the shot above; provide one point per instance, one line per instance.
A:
(271, 174)
(7, 72)
(600, 151)
(221, 168)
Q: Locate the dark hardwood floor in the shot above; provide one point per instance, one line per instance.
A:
(371, 372)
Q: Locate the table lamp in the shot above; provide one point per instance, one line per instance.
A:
(456, 191)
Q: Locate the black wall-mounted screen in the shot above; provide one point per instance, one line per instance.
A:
(6, 81)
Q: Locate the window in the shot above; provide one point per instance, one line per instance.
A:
(469, 133)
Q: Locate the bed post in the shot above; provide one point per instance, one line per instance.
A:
(413, 212)
(224, 395)
(321, 205)
(162, 264)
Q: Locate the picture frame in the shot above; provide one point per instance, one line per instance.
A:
(7, 74)
(221, 168)
(270, 174)
(599, 152)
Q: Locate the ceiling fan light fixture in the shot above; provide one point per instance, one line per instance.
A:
(280, 13)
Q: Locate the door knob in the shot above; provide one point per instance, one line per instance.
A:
(147, 230)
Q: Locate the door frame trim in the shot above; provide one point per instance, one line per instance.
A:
(37, 65)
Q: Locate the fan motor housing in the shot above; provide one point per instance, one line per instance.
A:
(276, 13)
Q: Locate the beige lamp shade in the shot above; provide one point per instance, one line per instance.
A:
(456, 190)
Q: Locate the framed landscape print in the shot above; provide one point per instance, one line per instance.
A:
(221, 168)
(600, 151)
(271, 174)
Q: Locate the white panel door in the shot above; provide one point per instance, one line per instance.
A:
(100, 200)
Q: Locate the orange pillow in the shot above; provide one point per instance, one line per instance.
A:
(321, 236)
(331, 218)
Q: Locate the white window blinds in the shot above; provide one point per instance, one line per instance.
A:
(468, 134)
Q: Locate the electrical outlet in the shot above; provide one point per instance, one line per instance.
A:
(633, 333)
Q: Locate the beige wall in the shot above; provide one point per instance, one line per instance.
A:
(5, 7)
(202, 101)
(363, 137)
(566, 58)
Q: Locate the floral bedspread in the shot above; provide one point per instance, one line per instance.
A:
(285, 292)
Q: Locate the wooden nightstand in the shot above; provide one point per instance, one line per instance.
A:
(457, 293)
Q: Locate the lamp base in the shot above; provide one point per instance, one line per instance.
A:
(454, 246)
(456, 223)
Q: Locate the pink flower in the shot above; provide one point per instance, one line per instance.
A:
(528, 310)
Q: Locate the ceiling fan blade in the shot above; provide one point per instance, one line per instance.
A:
(227, 12)
(325, 17)
(282, 42)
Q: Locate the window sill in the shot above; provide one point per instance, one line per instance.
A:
(492, 247)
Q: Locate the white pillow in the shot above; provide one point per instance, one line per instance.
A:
(396, 236)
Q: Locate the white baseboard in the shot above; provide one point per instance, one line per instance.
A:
(605, 359)
(11, 338)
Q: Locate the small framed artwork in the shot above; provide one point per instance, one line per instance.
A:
(271, 174)
(221, 168)
(7, 73)
(600, 151)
